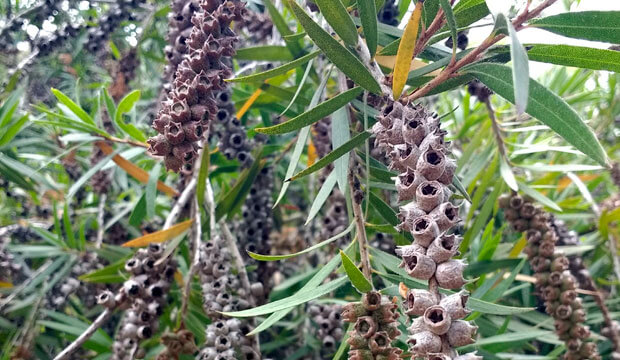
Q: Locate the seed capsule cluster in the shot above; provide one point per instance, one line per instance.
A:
(376, 326)
(87, 292)
(438, 327)
(555, 285)
(226, 339)
(258, 27)
(222, 291)
(120, 11)
(389, 13)
(179, 31)
(414, 144)
(233, 141)
(329, 323)
(255, 227)
(335, 220)
(576, 266)
(143, 296)
(191, 105)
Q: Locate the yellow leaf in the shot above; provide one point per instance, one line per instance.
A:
(249, 103)
(133, 170)
(311, 154)
(565, 181)
(160, 236)
(178, 277)
(518, 247)
(388, 61)
(4, 284)
(405, 52)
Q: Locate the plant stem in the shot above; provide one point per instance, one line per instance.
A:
(101, 319)
(197, 238)
(100, 217)
(451, 69)
(496, 130)
(181, 202)
(358, 217)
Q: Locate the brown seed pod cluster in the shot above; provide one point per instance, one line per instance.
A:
(143, 297)
(222, 291)
(179, 30)
(555, 285)
(411, 138)
(376, 326)
(258, 27)
(191, 106)
(329, 323)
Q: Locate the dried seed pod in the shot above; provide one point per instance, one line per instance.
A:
(437, 319)
(461, 333)
(424, 342)
(455, 305)
(429, 195)
(449, 274)
(419, 266)
(424, 230)
(443, 248)
(418, 301)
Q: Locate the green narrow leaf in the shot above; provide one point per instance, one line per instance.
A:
(577, 56)
(138, 213)
(260, 257)
(262, 76)
(338, 54)
(151, 190)
(332, 156)
(234, 198)
(520, 70)
(124, 106)
(447, 9)
(539, 197)
(460, 188)
(355, 275)
(201, 181)
(589, 25)
(507, 174)
(75, 108)
(8, 108)
(312, 283)
(320, 198)
(109, 103)
(368, 17)
(10, 133)
(297, 299)
(315, 113)
(264, 53)
(67, 226)
(301, 139)
(339, 19)
(340, 136)
(546, 107)
(283, 29)
(387, 213)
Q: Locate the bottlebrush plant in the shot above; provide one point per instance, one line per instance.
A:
(309, 179)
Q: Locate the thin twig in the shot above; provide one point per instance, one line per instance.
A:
(372, 66)
(496, 130)
(180, 204)
(125, 141)
(197, 238)
(99, 321)
(474, 55)
(23, 285)
(358, 217)
(100, 217)
(237, 259)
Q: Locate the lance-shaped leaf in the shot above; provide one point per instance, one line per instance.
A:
(124, 106)
(314, 114)
(545, 106)
(283, 29)
(160, 236)
(233, 199)
(520, 71)
(338, 54)
(262, 76)
(305, 251)
(447, 9)
(264, 53)
(355, 275)
(75, 108)
(339, 19)
(577, 56)
(368, 17)
(335, 154)
(133, 170)
(405, 52)
(589, 25)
